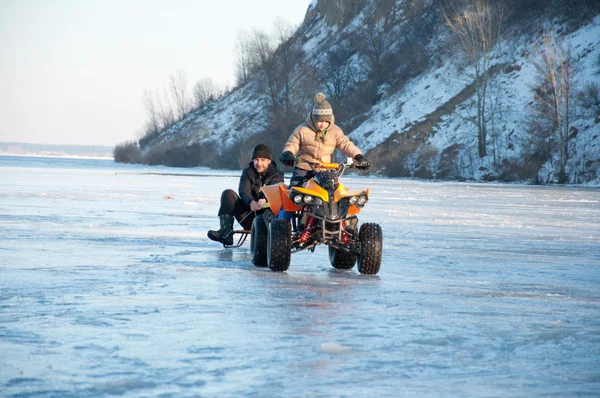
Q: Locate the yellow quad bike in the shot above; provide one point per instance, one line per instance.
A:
(325, 212)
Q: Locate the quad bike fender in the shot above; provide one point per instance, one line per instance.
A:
(314, 189)
(341, 193)
(278, 198)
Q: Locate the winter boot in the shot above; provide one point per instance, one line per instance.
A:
(225, 234)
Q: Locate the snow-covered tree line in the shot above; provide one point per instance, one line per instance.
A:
(367, 51)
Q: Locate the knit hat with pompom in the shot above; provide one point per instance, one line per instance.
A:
(322, 109)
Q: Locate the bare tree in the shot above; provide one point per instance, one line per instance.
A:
(178, 90)
(586, 171)
(160, 116)
(420, 27)
(205, 91)
(339, 73)
(262, 54)
(166, 112)
(554, 93)
(477, 26)
(411, 162)
(243, 52)
(430, 157)
(373, 34)
(153, 126)
(590, 100)
(287, 57)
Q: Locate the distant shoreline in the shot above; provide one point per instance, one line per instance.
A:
(44, 155)
(56, 150)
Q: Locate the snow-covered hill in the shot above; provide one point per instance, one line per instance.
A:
(416, 123)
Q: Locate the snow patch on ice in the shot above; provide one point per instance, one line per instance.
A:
(333, 348)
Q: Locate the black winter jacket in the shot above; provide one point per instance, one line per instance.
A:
(251, 182)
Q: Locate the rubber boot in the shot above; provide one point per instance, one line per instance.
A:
(225, 234)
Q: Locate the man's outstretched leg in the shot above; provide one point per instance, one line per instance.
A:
(230, 201)
(225, 233)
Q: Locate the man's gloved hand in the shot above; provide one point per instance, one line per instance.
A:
(287, 158)
(360, 162)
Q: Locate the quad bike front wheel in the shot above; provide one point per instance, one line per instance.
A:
(258, 241)
(341, 259)
(371, 248)
(279, 245)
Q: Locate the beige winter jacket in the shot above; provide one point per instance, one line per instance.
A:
(311, 146)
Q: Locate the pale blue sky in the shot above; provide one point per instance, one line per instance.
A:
(75, 71)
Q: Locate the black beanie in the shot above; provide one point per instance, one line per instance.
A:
(262, 151)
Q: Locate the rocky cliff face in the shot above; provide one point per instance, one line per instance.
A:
(406, 94)
(335, 12)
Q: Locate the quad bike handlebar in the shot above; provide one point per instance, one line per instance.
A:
(320, 166)
(358, 162)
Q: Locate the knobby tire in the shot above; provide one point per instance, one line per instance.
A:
(371, 248)
(279, 245)
(341, 259)
(258, 241)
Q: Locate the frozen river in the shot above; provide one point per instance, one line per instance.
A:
(109, 286)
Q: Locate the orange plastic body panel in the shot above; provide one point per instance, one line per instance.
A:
(353, 210)
(277, 196)
(273, 198)
(314, 189)
(286, 202)
(341, 192)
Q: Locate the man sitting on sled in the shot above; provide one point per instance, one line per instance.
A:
(260, 172)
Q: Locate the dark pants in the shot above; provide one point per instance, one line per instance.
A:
(300, 176)
(232, 204)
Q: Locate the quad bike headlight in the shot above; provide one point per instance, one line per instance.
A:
(353, 200)
(361, 200)
(297, 199)
(308, 199)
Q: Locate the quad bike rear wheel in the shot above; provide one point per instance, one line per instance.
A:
(371, 248)
(279, 245)
(258, 241)
(341, 259)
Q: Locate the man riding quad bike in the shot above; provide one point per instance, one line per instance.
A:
(321, 212)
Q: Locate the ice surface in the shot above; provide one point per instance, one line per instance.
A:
(109, 286)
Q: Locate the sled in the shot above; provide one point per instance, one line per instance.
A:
(240, 235)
